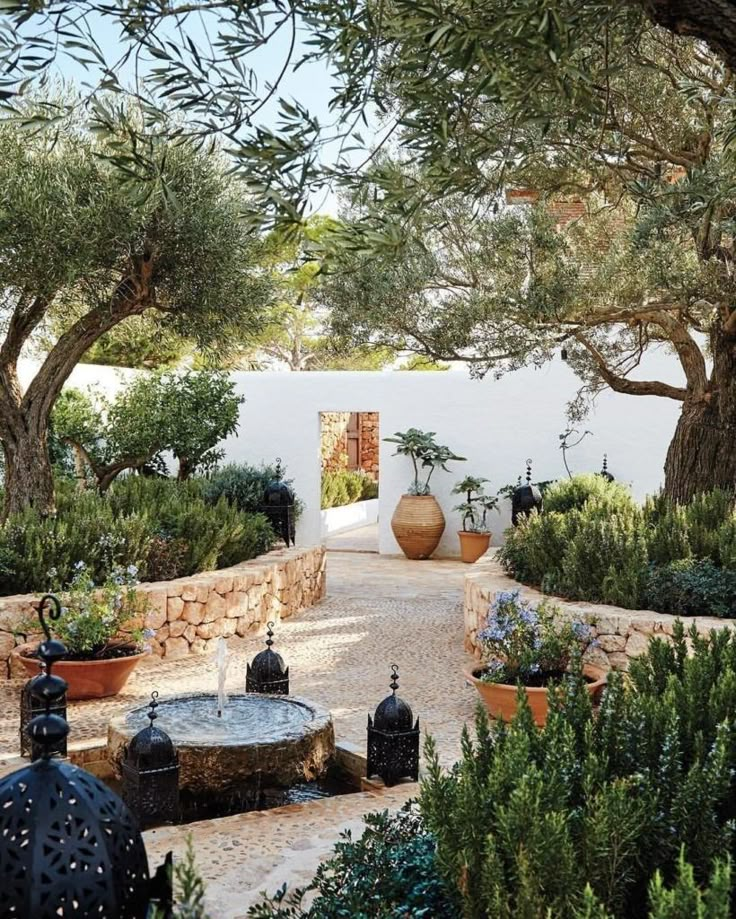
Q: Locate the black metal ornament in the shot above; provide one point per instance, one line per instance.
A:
(278, 506)
(525, 498)
(267, 672)
(150, 773)
(68, 845)
(393, 738)
(604, 470)
(30, 706)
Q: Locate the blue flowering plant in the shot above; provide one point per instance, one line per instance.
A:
(529, 644)
(105, 620)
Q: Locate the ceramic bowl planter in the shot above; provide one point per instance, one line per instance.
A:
(500, 698)
(418, 524)
(473, 545)
(93, 679)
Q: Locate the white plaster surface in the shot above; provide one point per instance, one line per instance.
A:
(496, 424)
(348, 517)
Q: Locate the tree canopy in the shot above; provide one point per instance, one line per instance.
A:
(82, 250)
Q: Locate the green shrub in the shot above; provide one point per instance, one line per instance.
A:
(534, 549)
(572, 494)
(692, 587)
(244, 486)
(165, 528)
(668, 536)
(624, 814)
(346, 487)
(706, 514)
(530, 817)
(390, 872)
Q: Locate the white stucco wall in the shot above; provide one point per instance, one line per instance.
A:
(496, 424)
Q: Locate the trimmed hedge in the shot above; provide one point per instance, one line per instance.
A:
(346, 487)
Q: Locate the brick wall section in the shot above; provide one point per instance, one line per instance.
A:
(622, 633)
(190, 614)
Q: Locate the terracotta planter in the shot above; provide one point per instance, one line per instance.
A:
(500, 698)
(87, 679)
(418, 524)
(473, 545)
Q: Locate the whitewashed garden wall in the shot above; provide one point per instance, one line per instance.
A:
(496, 424)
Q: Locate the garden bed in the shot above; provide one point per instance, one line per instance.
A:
(622, 634)
(190, 614)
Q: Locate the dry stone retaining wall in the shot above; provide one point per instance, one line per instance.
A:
(189, 614)
(622, 634)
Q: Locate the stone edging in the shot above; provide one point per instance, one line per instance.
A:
(621, 633)
(190, 614)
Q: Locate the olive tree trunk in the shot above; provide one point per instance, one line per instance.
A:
(29, 481)
(702, 454)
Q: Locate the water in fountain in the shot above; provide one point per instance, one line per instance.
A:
(223, 662)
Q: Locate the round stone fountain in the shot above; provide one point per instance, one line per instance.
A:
(271, 740)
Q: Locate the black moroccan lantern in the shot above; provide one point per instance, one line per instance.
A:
(278, 506)
(30, 706)
(151, 774)
(604, 471)
(268, 673)
(393, 738)
(525, 498)
(68, 845)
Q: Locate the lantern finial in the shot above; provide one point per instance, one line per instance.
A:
(152, 706)
(394, 678)
(528, 472)
(48, 731)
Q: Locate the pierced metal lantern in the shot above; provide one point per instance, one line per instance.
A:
(604, 470)
(393, 738)
(267, 672)
(150, 774)
(278, 506)
(68, 845)
(525, 498)
(30, 706)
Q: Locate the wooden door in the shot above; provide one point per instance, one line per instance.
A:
(354, 441)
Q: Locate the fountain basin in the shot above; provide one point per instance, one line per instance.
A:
(273, 740)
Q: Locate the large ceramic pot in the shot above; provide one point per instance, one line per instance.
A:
(473, 545)
(500, 698)
(85, 679)
(418, 524)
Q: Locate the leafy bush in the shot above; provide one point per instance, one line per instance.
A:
(163, 527)
(572, 494)
(243, 486)
(388, 873)
(593, 542)
(530, 817)
(692, 588)
(624, 814)
(346, 487)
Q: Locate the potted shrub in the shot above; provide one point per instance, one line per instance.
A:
(475, 537)
(528, 646)
(101, 627)
(418, 521)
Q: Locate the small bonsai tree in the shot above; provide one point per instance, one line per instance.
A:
(477, 504)
(426, 456)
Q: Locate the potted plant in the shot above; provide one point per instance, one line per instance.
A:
(418, 521)
(475, 537)
(101, 627)
(529, 646)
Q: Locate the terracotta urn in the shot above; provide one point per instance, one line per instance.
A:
(500, 698)
(93, 679)
(418, 524)
(473, 545)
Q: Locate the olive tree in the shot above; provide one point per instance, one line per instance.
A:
(86, 240)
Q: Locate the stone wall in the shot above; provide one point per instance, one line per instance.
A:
(190, 614)
(334, 441)
(621, 633)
